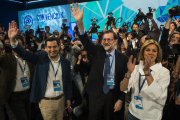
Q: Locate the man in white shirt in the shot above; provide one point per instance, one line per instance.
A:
(52, 80)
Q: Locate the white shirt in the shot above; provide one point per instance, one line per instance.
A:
(19, 75)
(134, 42)
(51, 77)
(153, 96)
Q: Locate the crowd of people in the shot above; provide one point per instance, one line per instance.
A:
(126, 74)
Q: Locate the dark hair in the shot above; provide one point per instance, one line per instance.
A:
(111, 31)
(52, 39)
(43, 46)
(83, 50)
(75, 39)
(21, 38)
(135, 24)
(174, 24)
(125, 25)
(47, 27)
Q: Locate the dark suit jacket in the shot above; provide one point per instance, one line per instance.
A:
(140, 35)
(95, 81)
(41, 62)
(8, 65)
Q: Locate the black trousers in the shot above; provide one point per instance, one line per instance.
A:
(20, 104)
(102, 108)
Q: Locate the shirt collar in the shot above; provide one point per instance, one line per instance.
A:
(154, 68)
(112, 53)
(54, 61)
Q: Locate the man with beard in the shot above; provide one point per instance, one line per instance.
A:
(105, 98)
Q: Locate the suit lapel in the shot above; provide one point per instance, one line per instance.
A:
(116, 65)
(63, 68)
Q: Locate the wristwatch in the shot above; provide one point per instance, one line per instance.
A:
(126, 76)
(149, 74)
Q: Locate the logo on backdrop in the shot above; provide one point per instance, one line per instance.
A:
(28, 20)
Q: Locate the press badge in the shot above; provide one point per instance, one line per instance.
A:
(24, 82)
(56, 85)
(110, 79)
(138, 102)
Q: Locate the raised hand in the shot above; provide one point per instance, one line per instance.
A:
(76, 12)
(147, 63)
(13, 30)
(131, 65)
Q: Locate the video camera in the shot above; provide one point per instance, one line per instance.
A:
(110, 19)
(64, 27)
(150, 14)
(94, 25)
(175, 11)
(140, 16)
(38, 31)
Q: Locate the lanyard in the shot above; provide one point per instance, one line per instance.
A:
(21, 67)
(140, 86)
(152, 34)
(112, 61)
(55, 73)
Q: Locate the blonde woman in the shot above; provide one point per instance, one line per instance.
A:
(149, 81)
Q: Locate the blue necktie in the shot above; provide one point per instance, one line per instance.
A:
(106, 71)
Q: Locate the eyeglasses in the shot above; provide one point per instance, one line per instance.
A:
(107, 40)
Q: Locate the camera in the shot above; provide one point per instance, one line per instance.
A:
(175, 11)
(38, 31)
(94, 25)
(148, 37)
(176, 52)
(83, 56)
(150, 14)
(134, 34)
(64, 27)
(110, 19)
(122, 30)
(140, 16)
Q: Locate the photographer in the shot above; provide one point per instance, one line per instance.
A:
(173, 26)
(47, 28)
(43, 37)
(72, 55)
(83, 65)
(174, 38)
(64, 34)
(133, 45)
(123, 36)
(135, 27)
(155, 32)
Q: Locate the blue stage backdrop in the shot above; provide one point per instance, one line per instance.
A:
(49, 16)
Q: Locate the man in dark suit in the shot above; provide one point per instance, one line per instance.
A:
(12, 89)
(52, 80)
(108, 69)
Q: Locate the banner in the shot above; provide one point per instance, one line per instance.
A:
(49, 16)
